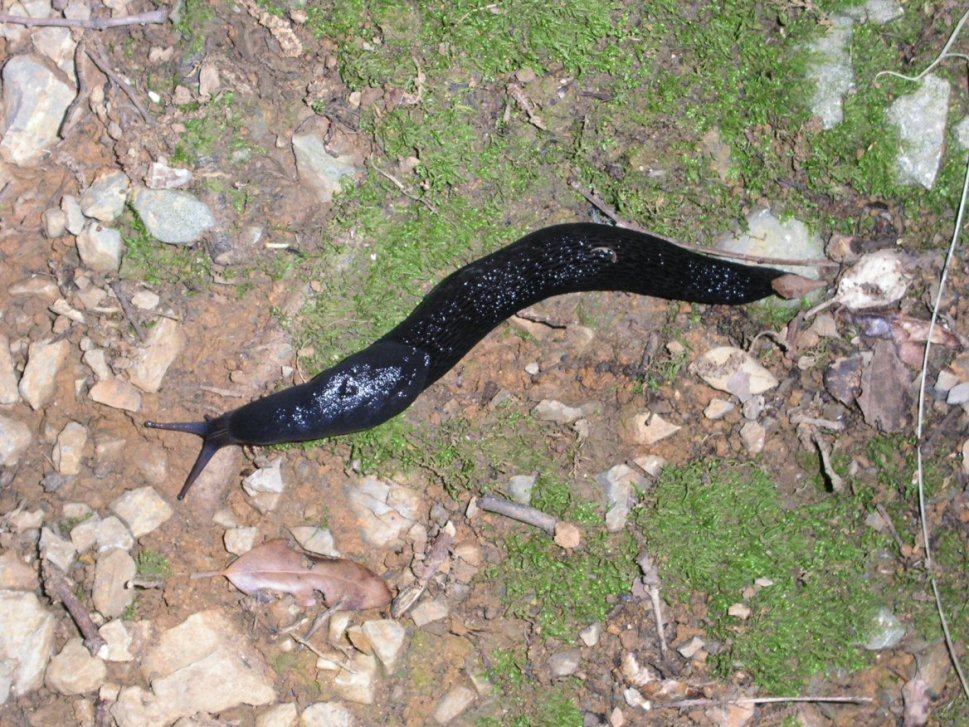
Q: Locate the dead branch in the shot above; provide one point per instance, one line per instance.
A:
(522, 513)
(155, 16)
(55, 584)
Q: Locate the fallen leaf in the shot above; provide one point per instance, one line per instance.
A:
(885, 401)
(275, 566)
(907, 333)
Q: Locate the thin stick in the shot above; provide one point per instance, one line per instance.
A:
(126, 308)
(938, 59)
(522, 513)
(400, 185)
(837, 483)
(692, 703)
(55, 584)
(601, 205)
(155, 16)
(891, 526)
(651, 582)
(97, 57)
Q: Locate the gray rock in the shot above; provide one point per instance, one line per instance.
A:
(69, 448)
(97, 362)
(99, 247)
(72, 209)
(520, 488)
(325, 714)
(320, 170)
(962, 133)
(564, 663)
(142, 509)
(284, 715)
(830, 71)
(735, 371)
(268, 479)
(36, 97)
(920, 118)
(315, 540)
(240, 540)
(383, 510)
(8, 376)
(387, 639)
(165, 342)
(617, 484)
(885, 631)
(453, 703)
(59, 551)
(104, 200)
(754, 436)
(162, 176)
(44, 360)
(117, 394)
(767, 236)
(111, 533)
(26, 641)
(878, 12)
(549, 410)
(74, 670)
(15, 437)
(118, 641)
(15, 574)
(358, 681)
(55, 222)
(174, 217)
(429, 610)
(112, 572)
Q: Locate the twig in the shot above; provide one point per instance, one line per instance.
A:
(97, 57)
(55, 584)
(603, 207)
(154, 16)
(522, 513)
(831, 424)
(837, 483)
(126, 308)
(518, 93)
(891, 526)
(400, 185)
(692, 703)
(651, 582)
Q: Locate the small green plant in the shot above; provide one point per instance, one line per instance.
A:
(153, 564)
(524, 702)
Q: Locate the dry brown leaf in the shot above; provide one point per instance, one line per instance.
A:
(885, 401)
(275, 566)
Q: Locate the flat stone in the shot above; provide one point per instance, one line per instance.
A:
(35, 98)
(142, 510)
(117, 642)
(387, 639)
(74, 670)
(920, 118)
(173, 217)
(769, 236)
(735, 371)
(958, 394)
(72, 210)
(145, 300)
(718, 409)
(104, 200)
(315, 540)
(240, 540)
(520, 488)
(44, 361)
(162, 176)
(112, 572)
(112, 533)
(326, 714)
(15, 575)
(282, 715)
(831, 71)
(8, 376)
(961, 131)
(97, 362)
(26, 641)
(649, 428)
(268, 479)
(429, 610)
(117, 394)
(383, 511)
(549, 410)
(617, 484)
(165, 342)
(564, 663)
(99, 247)
(59, 551)
(320, 170)
(69, 448)
(754, 436)
(453, 703)
(15, 438)
(357, 683)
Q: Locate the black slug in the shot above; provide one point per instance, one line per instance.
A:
(381, 381)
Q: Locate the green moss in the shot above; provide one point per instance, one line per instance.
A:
(153, 564)
(721, 526)
(154, 262)
(526, 703)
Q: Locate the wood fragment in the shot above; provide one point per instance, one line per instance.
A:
(154, 16)
(522, 513)
(56, 587)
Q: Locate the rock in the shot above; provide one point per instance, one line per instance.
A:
(735, 371)
(69, 448)
(26, 641)
(104, 200)
(383, 510)
(718, 409)
(649, 428)
(268, 479)
(59, 551)
(202, 665)
(831, 72)
(651, 464)
(453, 703)
(72, 210)
(564, 663)
(176, 218)
(74, 670)
(142, 510)
(145, 300)
(111, 595)
(15, 437)
(326, 714)
(281, 715)
(84, 535)
(920, 119)
(118, 642)
(567, 535)
(520, 488)
(320, 170)
(162, 176)
(754, 436)
(44, 360)
(617, 485)
(958, 394)
(36, 98)
(164, 344)
(590, 634)
(315, 540)
(739, 610)
(962, 133)
(117, 394)
(99, 247)
(357, 682)
(429, 610)
(387, 639)
(15, 575)
(8, 377)
(240, 540)
(767, 236)
(877, 280)
(692, 647)
(549, 410)
(96, 361)
(885, 631)
(112, 533)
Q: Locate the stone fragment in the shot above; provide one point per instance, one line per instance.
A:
(117, 394)
(99, 247)
(117, 641)
(69, 448)
(877, 280)
(84, 535)
(268, 479)
(567, 535)
(72, 210)
(162, 176)
(453, 703)
(26, 642)
(387, 639)
(739, 610)
(920, 118)
(176, 218)
(649, 428)
(357, 682)
(326, 714)
(831, 72)
(164, 344)
(112, 533)
(59, 551)
(74, 670)
(315, 540)
(768, 236)
(104, 200)
(15, 575)
(320, 170)
(44, 360)
(754, 436)
(35, 98)
(549, 410)
(8, 376)
(718, 409)
(735, 371)
(145, 300)
(95, 359)
(142, 510)
(651, 464)
(383, 510)
(692, 647)
(429, 610)
(520, 488)
(282, 715)
(564, 663)
(240, 540)
(617, 484)
(15, 438)
(111, 594)
(958, 394)
(590, 634)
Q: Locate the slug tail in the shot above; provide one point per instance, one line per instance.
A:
(215, 435)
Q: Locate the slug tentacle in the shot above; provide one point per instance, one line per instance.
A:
(378, 383)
